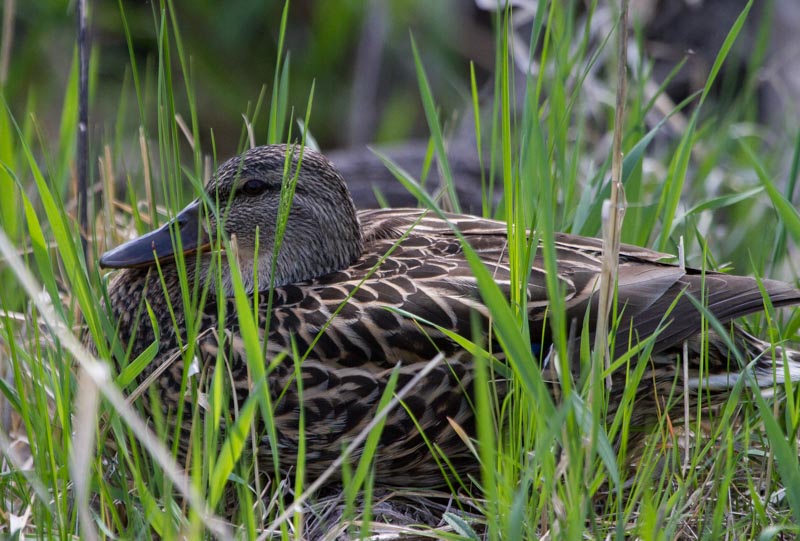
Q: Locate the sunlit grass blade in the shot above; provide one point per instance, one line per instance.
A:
(673, 187)
(280, 82)
(232, 448)
(433, 124)
(716, 203)
(787, 212)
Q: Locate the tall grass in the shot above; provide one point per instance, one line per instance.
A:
(80, 461)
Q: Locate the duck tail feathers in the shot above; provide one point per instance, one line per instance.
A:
(772, 366)
(775, 368)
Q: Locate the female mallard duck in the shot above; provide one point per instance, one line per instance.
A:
(345, 283)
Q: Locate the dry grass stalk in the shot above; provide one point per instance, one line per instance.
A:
(614, 207)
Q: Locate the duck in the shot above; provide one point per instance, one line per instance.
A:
(358, 296)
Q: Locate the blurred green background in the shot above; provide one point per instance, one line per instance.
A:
(356, 52)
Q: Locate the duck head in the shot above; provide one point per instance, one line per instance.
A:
(242, 200)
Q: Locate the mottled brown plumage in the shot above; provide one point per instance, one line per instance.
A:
(334, 261)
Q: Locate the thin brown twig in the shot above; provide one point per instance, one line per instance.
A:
(82, 156)
(148, 181)
(614, 207)
(686, 405)
(9, 8)
(109, 192)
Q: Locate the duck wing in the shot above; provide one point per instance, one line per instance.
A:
(413, 263)
(653, 295)
(656, 296)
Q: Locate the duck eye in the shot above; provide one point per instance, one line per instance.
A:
(253, 187)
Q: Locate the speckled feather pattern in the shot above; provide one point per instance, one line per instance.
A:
(425, 274)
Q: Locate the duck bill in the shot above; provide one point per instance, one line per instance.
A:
(184, 232)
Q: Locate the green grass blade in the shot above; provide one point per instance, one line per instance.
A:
(433, 125)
